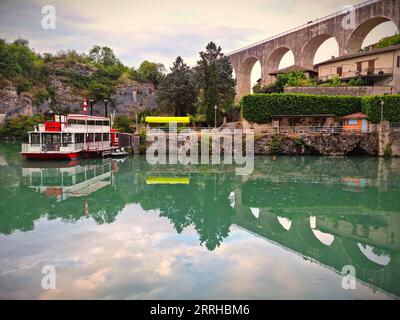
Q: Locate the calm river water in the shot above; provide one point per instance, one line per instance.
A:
(113, 229)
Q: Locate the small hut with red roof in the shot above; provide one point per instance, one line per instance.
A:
(356, 122)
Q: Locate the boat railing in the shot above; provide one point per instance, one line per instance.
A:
(46, 147)
(316, 129)
(97, 145)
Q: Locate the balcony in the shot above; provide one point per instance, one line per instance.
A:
(364, 73)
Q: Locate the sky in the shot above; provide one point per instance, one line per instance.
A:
(160, 30)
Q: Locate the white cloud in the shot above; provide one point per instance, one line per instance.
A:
(158, 30)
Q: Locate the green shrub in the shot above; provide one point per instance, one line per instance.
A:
(276, 144)
(371, 106)
(359, 82)
(124, 123)
(18, 127)
(261, 107)
(388, 151)
(41, 96)
(23, 85)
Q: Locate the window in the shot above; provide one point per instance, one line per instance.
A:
(98, 136)
(76, 121)
(339, 71)
(99, 123)
(67, 138)
(35, 138)
(89, 137)
(49, 138)
(353, 122)
(79, 137)
(359, 66)
(398, 62)
(106, 137)
(91, 123)
(371, 66)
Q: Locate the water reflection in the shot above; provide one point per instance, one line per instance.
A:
(333, 211)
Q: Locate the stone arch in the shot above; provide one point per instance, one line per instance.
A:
(310, 49)
(273, 62)
(244, 85)
(357, 37)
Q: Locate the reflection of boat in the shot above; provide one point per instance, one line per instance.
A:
(69, 181)
(70, 137)
(119, 152)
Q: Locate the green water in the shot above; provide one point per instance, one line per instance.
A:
(286, 231)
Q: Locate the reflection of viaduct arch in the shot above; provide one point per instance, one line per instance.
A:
(301, 240)
(305, 41)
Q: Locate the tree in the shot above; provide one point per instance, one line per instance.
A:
(103, 56)
(215, 83)
(99, 91)
(177, 91)
(151, 71)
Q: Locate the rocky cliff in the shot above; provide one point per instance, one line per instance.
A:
(64, 95)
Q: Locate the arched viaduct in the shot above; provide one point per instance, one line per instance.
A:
(348, 27)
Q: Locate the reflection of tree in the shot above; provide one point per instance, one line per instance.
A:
(204, 204)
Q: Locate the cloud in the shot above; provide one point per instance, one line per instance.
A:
(140, 256)
(156, 30)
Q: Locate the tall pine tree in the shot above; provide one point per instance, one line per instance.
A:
(176, 92)
(214, 82)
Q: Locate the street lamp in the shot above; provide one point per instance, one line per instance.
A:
(215, 115)
(105, 105)
(382, 105)
(91, 106)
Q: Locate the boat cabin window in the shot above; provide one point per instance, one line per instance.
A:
(67, 138)
(89, 137)
(98, 136)
(352, 122)
(91, 122)
(49, 138)
(76, 121)
(35, 138)
(106, 137)
(79, 137)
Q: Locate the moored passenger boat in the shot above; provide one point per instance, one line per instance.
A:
(70, 137)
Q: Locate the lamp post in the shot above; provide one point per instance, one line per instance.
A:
(105, 105)
(382, 105)
(91, 106)
(215, 115)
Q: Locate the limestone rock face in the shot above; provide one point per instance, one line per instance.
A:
(65, 98)
(12, 104)
(126, 100)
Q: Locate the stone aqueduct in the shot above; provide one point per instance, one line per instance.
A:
(305, 41)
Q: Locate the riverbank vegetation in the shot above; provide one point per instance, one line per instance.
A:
(91, 74)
